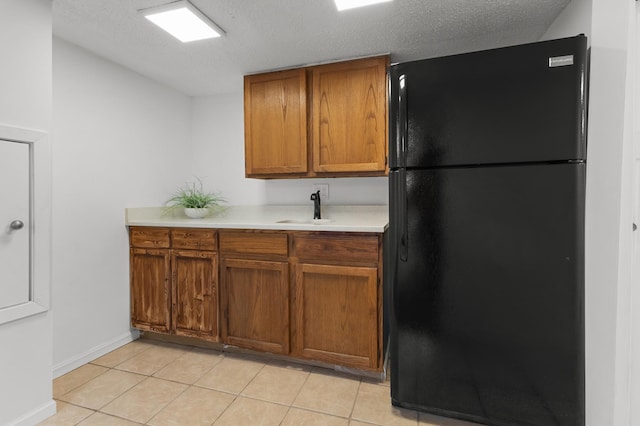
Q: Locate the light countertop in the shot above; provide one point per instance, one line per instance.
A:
(274, 217)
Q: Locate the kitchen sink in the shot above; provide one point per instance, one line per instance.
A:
(306, 222)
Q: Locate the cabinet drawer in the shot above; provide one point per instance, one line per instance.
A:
(337, 247)
(196, 239)
(253, 243)
(147, 237)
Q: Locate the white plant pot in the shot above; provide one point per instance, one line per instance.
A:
(196, 213)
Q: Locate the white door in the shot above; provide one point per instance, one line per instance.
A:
(14, 223)
(635, 278)
(635, 288)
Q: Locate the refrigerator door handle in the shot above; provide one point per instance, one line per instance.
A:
(401, 141)
(403, 216)
(403, 130)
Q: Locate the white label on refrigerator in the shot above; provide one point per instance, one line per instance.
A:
(560, 61)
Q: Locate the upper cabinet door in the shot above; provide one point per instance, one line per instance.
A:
(349, 117)
(275, 123)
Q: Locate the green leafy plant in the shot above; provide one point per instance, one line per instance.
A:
(192, 196)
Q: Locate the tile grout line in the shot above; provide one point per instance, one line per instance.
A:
(102, 406)
(122, 393)
(81, 384)
(301, 387)
(354, 401)
(79, 406)
(192, 385)
(76, 405)
(94, 411)
(235, 397)
(311, 410)
(285, 415)
(183, 383)
(290, 406)
(114, 416)
(347, 418)
(125, 360)
(152, 375)
(126, 390)
(167, 404)
(99, 410)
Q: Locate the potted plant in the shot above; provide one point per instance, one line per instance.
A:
(194, 200)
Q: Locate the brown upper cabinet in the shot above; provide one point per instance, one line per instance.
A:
(275, 123)
(349, 118)
(322, 121)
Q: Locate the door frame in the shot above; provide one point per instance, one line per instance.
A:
(40, 214)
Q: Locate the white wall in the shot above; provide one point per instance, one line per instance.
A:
(25, 74)
(120, 140)
(608, 224)
(25, 85)
(624, 356)
(575, 19)
(628, 377)
(218, 149)
(608, 210)
(218, 156)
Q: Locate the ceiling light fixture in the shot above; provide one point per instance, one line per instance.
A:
(182, 20)
(351, 4)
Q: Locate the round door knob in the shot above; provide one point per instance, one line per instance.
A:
(16, 224)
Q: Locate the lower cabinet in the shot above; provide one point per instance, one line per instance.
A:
(311, 295)
(150, 293)
(255, 303)
(255, 299)
(338, 298)
(194, 293)
(336, 314)
(174, 288)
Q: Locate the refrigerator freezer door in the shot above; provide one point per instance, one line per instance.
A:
(516, 104)
(487, 308)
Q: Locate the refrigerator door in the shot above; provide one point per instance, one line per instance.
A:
(488, 297)
(510, 105)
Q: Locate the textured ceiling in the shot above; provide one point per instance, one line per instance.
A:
(271, 34)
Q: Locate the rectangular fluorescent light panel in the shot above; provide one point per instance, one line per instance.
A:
(182, 20)
(351, 4)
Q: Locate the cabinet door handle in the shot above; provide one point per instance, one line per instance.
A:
(16, 225)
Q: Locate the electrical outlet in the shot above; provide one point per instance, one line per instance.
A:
(323, 188)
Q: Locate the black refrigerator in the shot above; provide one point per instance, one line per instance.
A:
(487, 197)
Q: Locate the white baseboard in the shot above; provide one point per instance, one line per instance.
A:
(93, 353)
(36, 416)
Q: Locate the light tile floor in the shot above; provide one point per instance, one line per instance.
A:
(162, 384)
